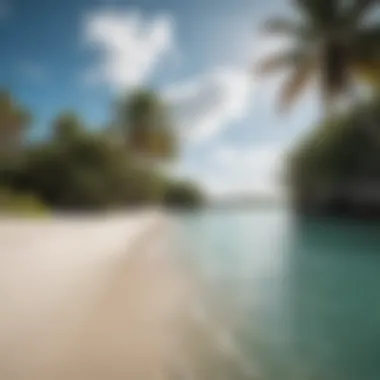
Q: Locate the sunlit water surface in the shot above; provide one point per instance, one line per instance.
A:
(299, 301)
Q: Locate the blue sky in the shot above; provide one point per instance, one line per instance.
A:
(80, 54)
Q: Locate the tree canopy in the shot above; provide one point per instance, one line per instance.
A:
(14, 119)
(337, 157)
(146, 124)
(82, 169)
(331, 41)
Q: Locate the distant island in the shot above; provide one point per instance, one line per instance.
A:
(246, 201)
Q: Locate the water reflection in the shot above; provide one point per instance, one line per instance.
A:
(300, 299)
(334, 279)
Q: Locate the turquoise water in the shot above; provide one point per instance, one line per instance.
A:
(306, 297)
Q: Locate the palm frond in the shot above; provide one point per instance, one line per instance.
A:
(321, 13)
(284, 26)
(333, 37)
(281, 61)
(360, 9)
(366, 50)
(295, 84)
(335, 61)
(368, 39)
(368, 75)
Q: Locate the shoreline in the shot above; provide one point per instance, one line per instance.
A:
(54, 275)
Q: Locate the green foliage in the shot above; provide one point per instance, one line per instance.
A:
(339, 152)
(332, 41)
(22, 205)
(146, 125)
(13, 120)
(183, 195)
(82, 170)
(67, 127)
(86, 173)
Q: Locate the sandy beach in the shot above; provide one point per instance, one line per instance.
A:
(101, 298)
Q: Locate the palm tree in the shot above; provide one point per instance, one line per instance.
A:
(67, 126)
(146, 126)
(332, 41)
(13, 121)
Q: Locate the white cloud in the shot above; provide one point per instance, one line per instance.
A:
(203, 105)
(225, 155)
(130, 46)
(255, 169)
(235, 170)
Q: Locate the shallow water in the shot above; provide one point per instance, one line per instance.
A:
(298, 301)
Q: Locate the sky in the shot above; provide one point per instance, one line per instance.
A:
(198, 55)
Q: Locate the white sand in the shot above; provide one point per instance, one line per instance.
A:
(53, 274)
(103, 299)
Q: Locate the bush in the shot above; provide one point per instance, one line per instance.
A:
(79, 169)
(183, 195)
(85, 173)
(89, 172)
(338, 155)
(21, 204)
